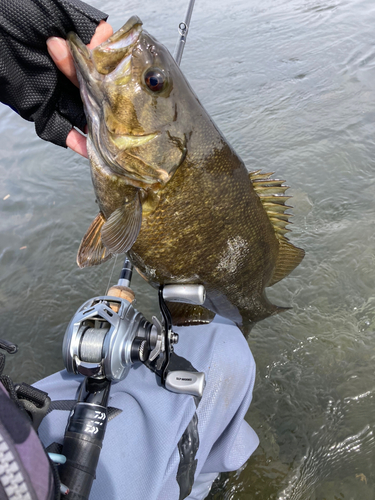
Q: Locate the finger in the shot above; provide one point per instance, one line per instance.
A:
(102, 33)
(77, 142)
(59, 52)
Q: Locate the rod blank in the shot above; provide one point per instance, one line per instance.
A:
(183, 29)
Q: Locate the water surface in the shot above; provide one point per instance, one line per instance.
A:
(292, 86)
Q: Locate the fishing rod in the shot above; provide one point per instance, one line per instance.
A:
(183, 29)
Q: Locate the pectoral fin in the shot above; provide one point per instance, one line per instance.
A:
(91, 251)
(122, 227)
(187, 314)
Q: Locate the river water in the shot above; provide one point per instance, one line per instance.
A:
(292, 86)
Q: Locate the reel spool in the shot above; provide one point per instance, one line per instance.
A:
(99, 339)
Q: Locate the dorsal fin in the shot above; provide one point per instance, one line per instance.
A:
(272, 195)
(288, 259)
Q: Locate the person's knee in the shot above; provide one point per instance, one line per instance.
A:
(232, 366)
(233, 352)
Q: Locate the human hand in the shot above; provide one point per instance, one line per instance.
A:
(60, 54)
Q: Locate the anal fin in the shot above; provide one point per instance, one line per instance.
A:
(91, 251)
(188, 314)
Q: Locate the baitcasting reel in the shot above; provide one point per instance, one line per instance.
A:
(107, 335)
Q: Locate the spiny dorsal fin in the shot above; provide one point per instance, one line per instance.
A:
(91, 251)
(272, 195)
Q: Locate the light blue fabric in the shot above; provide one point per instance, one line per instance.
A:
(140, 458)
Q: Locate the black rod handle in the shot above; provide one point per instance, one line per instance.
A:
(83, 438)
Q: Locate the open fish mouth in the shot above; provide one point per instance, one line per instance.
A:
(105, 58)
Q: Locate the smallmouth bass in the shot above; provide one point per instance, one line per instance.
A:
(172, 192)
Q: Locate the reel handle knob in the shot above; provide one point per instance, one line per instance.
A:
(186, 382)
(189, 294)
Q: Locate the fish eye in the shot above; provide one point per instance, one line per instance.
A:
(155, 79)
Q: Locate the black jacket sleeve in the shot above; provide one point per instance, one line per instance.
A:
(30, 83)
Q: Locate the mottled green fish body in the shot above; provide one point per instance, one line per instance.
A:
(172, 192)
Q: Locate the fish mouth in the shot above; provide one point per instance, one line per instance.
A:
(104, 58)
